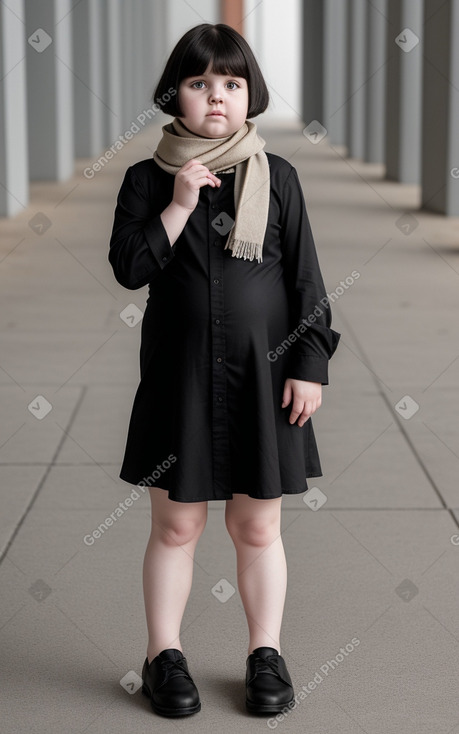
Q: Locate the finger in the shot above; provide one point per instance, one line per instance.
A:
(287, 395)
(296, 411)
(201, 167)
(213, 177)
(308, 410)
(200, 179)
(216, 181)
(203, 173)
(305, 416)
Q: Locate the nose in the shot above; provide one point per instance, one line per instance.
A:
(215, 96)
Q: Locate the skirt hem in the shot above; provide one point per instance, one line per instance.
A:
(229, 496)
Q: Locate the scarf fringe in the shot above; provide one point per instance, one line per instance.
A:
(247, 250)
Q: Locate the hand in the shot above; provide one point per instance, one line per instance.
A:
(188, 181)
(307, 397)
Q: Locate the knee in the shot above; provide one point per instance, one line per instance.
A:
(254, 531)
(179, 532)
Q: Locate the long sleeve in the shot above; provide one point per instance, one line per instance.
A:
(139, 245)
(312, 341)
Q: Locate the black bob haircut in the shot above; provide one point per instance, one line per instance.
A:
(226, 50)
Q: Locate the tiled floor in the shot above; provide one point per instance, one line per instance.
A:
(378, 563)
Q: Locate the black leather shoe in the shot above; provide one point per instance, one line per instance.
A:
(268, 684)
(169, 685)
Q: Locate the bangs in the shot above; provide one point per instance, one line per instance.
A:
(218, 50)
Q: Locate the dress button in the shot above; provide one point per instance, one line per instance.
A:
(220, 399)
(216, 281)
(217, 321)
(219, 359)
(216, 242)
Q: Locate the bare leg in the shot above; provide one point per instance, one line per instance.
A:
(168, 567)
(254, 526)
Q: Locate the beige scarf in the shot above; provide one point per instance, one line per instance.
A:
(244, 150)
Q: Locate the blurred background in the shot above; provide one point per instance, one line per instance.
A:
(365, 105)
(380, 76)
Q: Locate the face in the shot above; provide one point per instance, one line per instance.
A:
(200, 97)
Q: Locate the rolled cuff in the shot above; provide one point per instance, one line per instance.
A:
(313, 367)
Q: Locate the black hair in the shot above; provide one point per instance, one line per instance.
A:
(227, 52)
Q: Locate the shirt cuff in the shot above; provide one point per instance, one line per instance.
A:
(309, 368)
(158, 241)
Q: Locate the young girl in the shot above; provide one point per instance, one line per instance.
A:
(235, 344)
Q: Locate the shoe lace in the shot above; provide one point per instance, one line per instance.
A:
(175, 668)
(269, 665)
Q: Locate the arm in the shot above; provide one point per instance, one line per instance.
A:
(174, 217)
(139, 244)
(315, 341)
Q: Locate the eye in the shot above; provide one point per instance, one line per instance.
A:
(193, 85)
(235, 84)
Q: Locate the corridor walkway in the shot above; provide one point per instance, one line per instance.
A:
(371, 622)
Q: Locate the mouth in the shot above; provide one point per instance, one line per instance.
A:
(215, 114)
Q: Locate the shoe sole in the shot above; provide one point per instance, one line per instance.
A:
(170, 712)
(266, 708)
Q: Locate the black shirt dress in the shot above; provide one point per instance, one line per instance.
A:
(219, 337)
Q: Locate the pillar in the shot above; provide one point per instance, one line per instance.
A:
(88, 83)
(232, 13)
(335, 70)
(376, 61)
(111, 28)
(312, 62)
(440, 108)
(356, 77)
(50, 89)
(14, 168)
(403, 91)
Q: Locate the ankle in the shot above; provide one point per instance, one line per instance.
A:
(152, 652)
(264, 644)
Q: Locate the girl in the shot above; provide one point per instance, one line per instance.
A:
(235, 344)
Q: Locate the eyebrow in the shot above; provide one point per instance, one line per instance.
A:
(206, 76)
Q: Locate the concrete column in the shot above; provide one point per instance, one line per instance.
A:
(159, 35)
(377, 23)
(50, 89)
(232, 13)
(403, 90)
(138, 57)
(356, 89)
(312, 62)
(14, 167)
(111, 28)
(156, 54)
(126, 53)
(151, 36)
(88, 83)
(440, 108)
(335, 69)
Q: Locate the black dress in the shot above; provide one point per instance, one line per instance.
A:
(219, 337)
